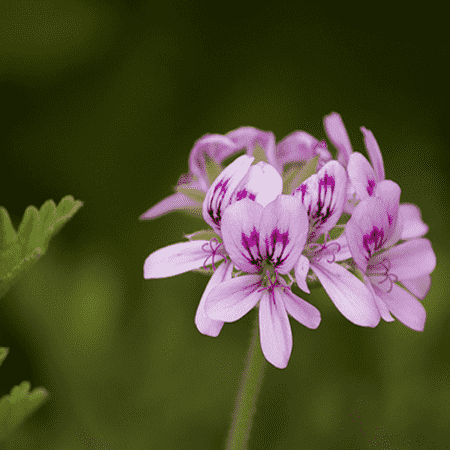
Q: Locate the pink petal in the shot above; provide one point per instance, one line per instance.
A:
(382, 308)
(231, 300)
(204, 323)
(352, 200)
(374, 153)
(175, 259)
(419, 287)
(368, 230)
(323, 195)
(219, 194)
(303, 312)
(297, 147)
(284, 229)
(240, 232)
(301, 272)
(411, 259)
(405, 307)
(350, 296)
(361, 175)
(177, 201)
(248, 137)
(389, 192)
(412, 223)
(344, 252)
(216, 146)
(274, 329)
(337, 134)
(262, 184)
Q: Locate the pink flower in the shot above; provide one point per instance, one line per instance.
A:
(260, 183)
(372, 231)
(367, 183)
(210, 152)
(364, 176)
(264, 242)
(323, 195)
(212, 147)
(239, 180)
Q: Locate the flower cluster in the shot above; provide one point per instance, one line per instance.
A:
(288, 213)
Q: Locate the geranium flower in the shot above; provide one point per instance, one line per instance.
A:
(364, 176)
(372, 232)
(260, 183)
(265, 243)
(323, 195)
(365, 181)
(239, 180)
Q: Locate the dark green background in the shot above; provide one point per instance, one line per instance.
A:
(104, 100)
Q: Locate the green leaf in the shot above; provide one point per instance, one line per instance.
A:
(3, 354)
(19, 404)
(195, 194)
(206, 235)
(19, 251)
(296, 175)
(7, 231)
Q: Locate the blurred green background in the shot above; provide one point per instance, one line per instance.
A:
(103, 100)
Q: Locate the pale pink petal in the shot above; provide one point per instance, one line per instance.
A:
(324, 154)
(337, 134)
(216, 146)
(350, 296)
(298, 147)
(204, 323)
(374, 153)
(240, 232)
(274, 329)
(361, 175)
(368, 230)
(303, 312)
(411, 259)
(262, 184)
(178, 258)
(284, 229)
(419, 287)
(323, 195)
(382, 308)
(248, 137)
(344, 251)
(231, 300)
(174, 202)
(352, 199)
(389, 192)
(405, 307)
(301, 272)
(219, 194)
(412, 223)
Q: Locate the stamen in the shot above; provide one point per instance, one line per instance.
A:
(386, 264)
(319, 250)
(213, 250)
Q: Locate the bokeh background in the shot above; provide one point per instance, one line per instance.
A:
(103, 100)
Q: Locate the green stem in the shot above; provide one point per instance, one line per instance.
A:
(245, 406)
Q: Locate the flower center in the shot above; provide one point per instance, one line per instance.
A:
(270, 280)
